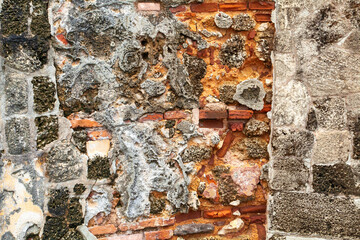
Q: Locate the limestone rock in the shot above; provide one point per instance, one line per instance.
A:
(153, 88)
(193, 202)
(233, 226)
(64, 163)
(193, 228)
(243, 22)
(16, 94)
(222, 20)
(233, 52)
(255, 128)
(250, 93)
(17, 131)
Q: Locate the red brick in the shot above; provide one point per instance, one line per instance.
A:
(212, 160)
(240, 114)
(211, 123)
(226, 144)
(266, 108)
(159, 235)
(201, 171)
(258, 219)
(175, 115)
(101, 230)
(98, 135)
(261, 5)
(154, 222)
(138, 236)
(204, 7)
(211, 52)
(181, 8)
(236, 126)
(261, 232)
(148, 6)
(152, 117)
(251, 209)
(251, 34)
(208, 114)
(225, 213)
(62, 39)
(77, 122)
(187, 216)
(263, 17)
(233, 6)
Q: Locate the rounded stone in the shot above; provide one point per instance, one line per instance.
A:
(250, 93)
(222, 20)
(243, 22)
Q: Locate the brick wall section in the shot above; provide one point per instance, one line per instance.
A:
(222, 140)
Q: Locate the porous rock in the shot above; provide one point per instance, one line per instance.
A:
(64, 162)
(250, 93)
(243, 22)
(222, 20)
(233, 52)
(255, 128)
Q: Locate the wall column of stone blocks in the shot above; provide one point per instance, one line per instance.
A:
(314, 171)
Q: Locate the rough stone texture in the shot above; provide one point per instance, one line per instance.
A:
(101, 124)
(336, 179)
(255, 128)
(243, 22)
(64, 163)
(98, 168)
(226, 93)
(222, 20)
(233, 52)
(47, 130)
(17, 132)
(331, 147)
(250, 93)
(16, 93)
(196, 154)
(312, 171)
(193, 229)
(308, 213)
(44, 94)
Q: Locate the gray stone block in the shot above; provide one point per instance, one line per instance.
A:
(64, 163)
(17, 131)
(331, 147)
(335, 179)
(16, 94)
(311, 213)
(330, 113)
(291, 142)
(193, 229)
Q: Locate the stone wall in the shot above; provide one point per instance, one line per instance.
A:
(134, 120)
(150, 120)
(314, 168)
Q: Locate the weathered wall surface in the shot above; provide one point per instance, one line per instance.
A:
(134, 120)
(314, 168)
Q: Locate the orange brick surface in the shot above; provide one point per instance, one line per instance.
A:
(204, 7)
(240, 114)
(101, 230)
(226, 213)
(159, 235)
